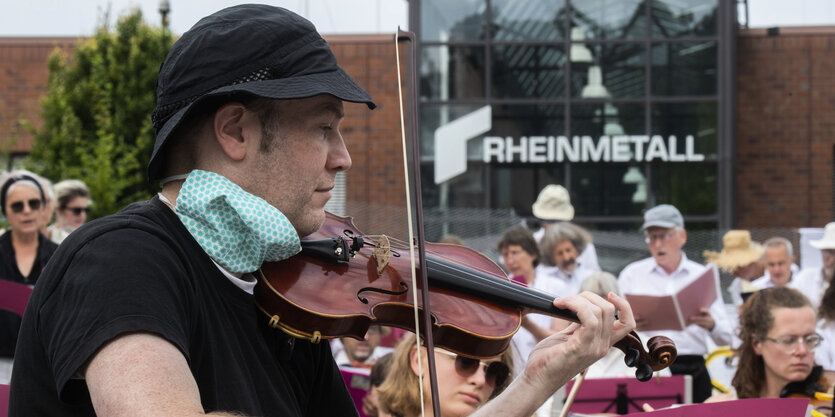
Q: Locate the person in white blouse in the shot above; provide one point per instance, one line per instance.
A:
(665, 272)
(813, 282)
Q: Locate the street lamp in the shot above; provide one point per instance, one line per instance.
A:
(164, 9)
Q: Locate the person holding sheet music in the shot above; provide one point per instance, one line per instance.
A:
(777, 356)
(664, 273)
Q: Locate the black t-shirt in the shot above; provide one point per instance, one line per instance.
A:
(9, 321)
(141, 271)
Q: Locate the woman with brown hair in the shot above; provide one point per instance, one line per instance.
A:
(777, 329)
(464, 383)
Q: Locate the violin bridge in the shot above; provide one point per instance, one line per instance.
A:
(381, 254)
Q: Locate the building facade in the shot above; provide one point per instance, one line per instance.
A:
(626, 103)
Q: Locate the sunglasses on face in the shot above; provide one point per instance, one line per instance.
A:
(495, 373)
(17, 206)
(77, 210)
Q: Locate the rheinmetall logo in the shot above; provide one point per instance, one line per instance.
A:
(451, 147)
(451, 142)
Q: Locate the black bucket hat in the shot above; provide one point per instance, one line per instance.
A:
(252, 49)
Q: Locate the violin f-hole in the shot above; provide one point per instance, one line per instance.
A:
(405, 289)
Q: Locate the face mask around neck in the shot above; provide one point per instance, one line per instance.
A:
(240, 231)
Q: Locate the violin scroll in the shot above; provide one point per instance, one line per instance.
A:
(662, 353)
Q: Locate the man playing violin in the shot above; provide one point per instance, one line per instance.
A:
(150, 311)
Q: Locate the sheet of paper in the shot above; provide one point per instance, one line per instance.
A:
(699, 294)
(655, 312)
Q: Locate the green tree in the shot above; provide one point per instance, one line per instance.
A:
(97, 125)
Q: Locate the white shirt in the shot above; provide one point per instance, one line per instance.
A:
(825, 353)
(735, 289)
(523, 341)
(810, 282)
(560, 283)
(648, 278)
(341, 357)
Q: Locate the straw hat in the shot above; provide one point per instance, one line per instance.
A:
(738, 250)
(828, 241)
(553, 203)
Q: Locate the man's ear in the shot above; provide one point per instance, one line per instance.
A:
(233, 129)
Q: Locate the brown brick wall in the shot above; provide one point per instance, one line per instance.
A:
(375, 186)
(785, 130)
(23, 78)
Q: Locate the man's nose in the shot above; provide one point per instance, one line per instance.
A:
(339, 159)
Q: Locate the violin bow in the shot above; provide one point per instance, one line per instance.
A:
(416, 235)
(571, 395)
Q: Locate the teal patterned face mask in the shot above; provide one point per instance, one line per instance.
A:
(238, 230)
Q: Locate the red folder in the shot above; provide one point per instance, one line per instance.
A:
(358, 381)
(760, 407)
(14, 296)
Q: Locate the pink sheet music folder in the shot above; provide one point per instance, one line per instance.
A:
(358, 381)
(672, 312)
(14, 296)
(625, 395)
(760, 407)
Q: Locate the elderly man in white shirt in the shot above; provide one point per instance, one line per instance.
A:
(780, 269)
(666, 272)
(813, 282)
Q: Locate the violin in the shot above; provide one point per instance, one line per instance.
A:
(816, 387)
(343, 281)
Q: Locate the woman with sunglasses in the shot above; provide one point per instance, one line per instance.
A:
(73, 198)
(24, 250)
(464, 383)
(776, 358)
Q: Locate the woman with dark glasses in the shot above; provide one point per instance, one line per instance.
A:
(73, 198)
(777, 355)
(24, 251)
(464, 383)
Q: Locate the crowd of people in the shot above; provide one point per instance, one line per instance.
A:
(151, 311)
(782, 332)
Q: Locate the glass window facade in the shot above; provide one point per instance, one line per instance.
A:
(617, 100)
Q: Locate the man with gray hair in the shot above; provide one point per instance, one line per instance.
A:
(779, 264)
(666, 272)
(561, 247)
